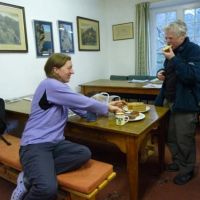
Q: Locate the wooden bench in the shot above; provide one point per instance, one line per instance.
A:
(80, 184)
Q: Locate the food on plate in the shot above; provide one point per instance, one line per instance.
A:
(133, 115)
(137, 106)
(166, 48)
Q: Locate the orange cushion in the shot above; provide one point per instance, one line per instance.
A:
(86, 178)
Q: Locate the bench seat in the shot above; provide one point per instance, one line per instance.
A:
(83, 183)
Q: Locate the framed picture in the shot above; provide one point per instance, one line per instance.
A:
(43, 38)
(66, 37)
(88, 34)
(122, 31)
(12, 28)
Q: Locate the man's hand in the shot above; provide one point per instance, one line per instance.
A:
(169, 54)
(161, 75)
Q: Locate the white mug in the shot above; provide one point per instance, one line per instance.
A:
(121, 118)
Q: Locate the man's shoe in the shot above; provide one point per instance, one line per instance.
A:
(20, 190)
(173, 167)
(182, 179)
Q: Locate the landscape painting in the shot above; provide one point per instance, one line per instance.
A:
(88, 34)
(12, 29)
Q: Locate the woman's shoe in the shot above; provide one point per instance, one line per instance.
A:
(20, 190)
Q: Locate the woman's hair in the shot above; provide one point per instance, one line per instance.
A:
(178, 27)
(55, 60)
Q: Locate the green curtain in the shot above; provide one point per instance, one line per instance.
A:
(142, 39)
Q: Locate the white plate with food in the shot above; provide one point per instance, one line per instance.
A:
(137, 118)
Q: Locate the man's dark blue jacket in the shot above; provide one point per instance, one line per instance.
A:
(186, 63)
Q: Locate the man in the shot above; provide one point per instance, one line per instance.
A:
(181, 93)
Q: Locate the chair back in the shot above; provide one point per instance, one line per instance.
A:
(117, 77)
(138, 77)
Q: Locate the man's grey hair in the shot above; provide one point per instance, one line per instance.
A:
(178, 27)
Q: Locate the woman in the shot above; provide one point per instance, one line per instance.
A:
(44, 152)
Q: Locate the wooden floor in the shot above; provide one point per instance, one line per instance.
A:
(153, 186)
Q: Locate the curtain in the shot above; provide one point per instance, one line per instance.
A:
(142, 39)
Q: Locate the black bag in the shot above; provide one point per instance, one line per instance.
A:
(2, 121)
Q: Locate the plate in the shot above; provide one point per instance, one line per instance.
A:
(147, 109)
(139, 117)
(130, 111)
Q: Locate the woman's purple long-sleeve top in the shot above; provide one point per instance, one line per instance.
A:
(49, 111)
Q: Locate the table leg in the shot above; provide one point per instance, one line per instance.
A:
(132, 166)
(162, 131)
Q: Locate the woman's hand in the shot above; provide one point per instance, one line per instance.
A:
(119, 103)
(114, 109)
(116, 106)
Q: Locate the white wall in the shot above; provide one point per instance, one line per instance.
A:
(120, 54)
(22, 72)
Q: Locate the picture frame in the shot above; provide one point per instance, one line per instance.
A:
(123, 31)
(13, 37)
(66, 37)
(88, 34)
(43, 38)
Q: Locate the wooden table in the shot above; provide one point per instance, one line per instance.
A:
(21, 106)
(128, 137)
(113, 86)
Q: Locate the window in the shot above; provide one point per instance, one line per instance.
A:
(192, 19)
(163, 15)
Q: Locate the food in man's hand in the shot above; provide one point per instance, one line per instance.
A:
(166, 48)
(133, 115)
(137, 106)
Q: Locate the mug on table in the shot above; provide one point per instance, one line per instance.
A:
(121, 118)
